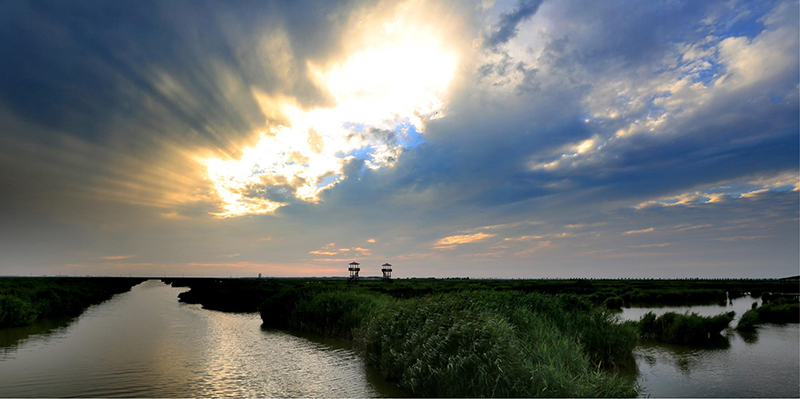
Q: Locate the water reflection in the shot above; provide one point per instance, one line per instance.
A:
(11, 338)
(145, 343)
(761, 364)
(750, 337)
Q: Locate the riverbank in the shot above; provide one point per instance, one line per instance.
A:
(24, 300)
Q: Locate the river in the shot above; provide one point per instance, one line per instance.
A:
(144, 343)
(761, 364)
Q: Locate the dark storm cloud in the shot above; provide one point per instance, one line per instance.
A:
(506, 28)
(95, 95)
(76, 67)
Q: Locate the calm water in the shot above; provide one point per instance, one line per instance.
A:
(145, 343)
(764, 364)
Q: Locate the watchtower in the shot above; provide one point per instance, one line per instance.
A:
(387, 272)
(354, 269)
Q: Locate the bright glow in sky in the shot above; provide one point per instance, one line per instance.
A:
(401, 81)
(573, 139)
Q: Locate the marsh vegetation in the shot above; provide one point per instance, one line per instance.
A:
(476, 343)
(24, 300)
(510, 337)
(686, 329)
(778, 310)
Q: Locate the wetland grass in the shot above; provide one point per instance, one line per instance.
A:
(779, 311)
(24, 300)
(476, 343)
(684, 329)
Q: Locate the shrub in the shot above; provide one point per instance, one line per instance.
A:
(678, 328)
(748, 321)
(779, 310)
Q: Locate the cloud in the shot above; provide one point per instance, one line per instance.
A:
(661, 245)
(741, 238)
(506, 28)
(647, 230)
(377, 91)
(586, 117)
(117, 257)
(730, 190)
(524, 238)
(322, 253)
(533, 249)
(451, 242)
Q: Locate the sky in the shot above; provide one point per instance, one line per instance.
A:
(494, 139)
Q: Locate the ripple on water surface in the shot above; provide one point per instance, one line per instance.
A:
(145, 343)
(764, 364)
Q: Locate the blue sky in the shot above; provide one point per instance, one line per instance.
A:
(482, 139)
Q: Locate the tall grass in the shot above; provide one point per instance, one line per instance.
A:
(335, 313)
(687, 328)
(24, 300)
(496, 344)
(476, 343)
(779, 311)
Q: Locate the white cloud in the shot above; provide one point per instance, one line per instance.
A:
(381, 87)
(451, 242)
(647, 230)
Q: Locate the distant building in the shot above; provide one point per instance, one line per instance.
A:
(354, 269)
(387, 272)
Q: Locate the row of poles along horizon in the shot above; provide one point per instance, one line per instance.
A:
(355, 267)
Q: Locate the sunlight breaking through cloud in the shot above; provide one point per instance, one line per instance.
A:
(383, 95)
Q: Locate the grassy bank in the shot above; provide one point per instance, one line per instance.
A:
(24, 300)
(778, 311)
(497, 344)
(476, 343)
(684, 329)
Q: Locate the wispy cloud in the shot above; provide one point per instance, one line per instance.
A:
(661, 245)
(117, 257)
(647, 230)
(326, 253)
(452, 241)
(691, 227)
(742, 238)
(533, 249)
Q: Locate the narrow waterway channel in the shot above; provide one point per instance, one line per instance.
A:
(144, 343)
